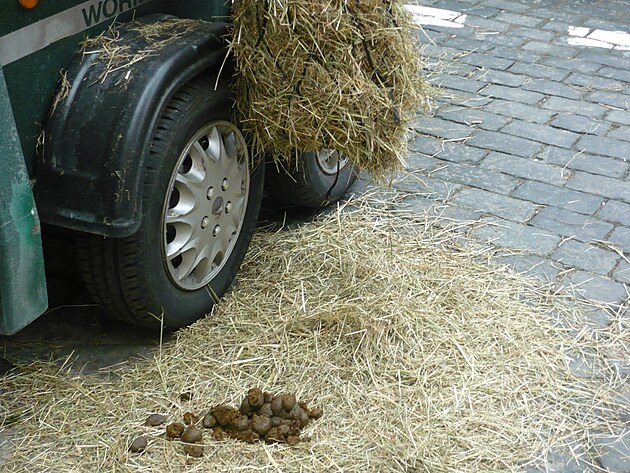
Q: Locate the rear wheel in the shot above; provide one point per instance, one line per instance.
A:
(315, 180)
(200, 204)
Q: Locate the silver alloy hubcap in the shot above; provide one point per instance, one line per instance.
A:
(205, 206)
(331, 161)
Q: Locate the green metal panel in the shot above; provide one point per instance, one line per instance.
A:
(23, 294)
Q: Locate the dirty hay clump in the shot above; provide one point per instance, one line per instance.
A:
(422, 355)
(341, 75)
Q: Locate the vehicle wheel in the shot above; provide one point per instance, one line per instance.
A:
(201, 199)
(315, 180)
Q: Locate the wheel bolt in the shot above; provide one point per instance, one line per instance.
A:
(204, 222)
(210, 193)
(216, 231)
(224, 185)
(228, 207)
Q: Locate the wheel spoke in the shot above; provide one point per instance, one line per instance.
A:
(187, 264)
(215, 145)
(184, 241)
(229, 144)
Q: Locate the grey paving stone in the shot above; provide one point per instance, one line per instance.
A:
(486, 24)
(609, 98)
(558, 197)
(495, 141)
(495, 204)
(512, 94)
(621, 236)
(415, 161)
(584, 256)
(428, 37)
(419, 204)
(455, 152)
(595, 287)
(455, 213)
(436, 51)
(600, 185)
(553, 25)
(575, 64)
(602, 165)
(619, 116)
(550, 87)
(487, 61)
(538, 71)
(430, 188)
(457, 5)
(580, 124)
(518, 236)
(519, 110)
(622, 273)
(464, 31)
(595, 55)
(464, 99)
(467, 44)
(481, 10)
(604, 146)
(477, 177)
(502, 41)
(541, 133)
(534, 33)
(615, 211)
(550, 49)
(525, 168)
(579, 107)
(457, 83)
(561, 462)
(521, 20)
(506, 5)
(475, 118)
(621, 133)
(500, 77)
(516, 54)
(434, 126)
(571, 224)
(549, 11)
(531, 266)
(615, 452)
(590, 80)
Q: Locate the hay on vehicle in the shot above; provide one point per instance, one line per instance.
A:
(423, 356)
(341, 75)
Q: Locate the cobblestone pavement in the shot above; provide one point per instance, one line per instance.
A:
(530, 140)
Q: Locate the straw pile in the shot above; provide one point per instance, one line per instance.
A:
(423, 357)
(340, 74)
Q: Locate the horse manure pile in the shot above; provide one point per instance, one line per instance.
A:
(261, 416)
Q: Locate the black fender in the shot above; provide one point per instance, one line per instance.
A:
(98, 137)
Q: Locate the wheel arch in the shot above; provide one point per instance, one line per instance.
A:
(98, 137)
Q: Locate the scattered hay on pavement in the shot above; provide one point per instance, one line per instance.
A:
(341, 75)
(423, 355)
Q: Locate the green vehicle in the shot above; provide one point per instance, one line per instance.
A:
(117, 133)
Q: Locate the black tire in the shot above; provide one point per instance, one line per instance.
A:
(307, 183)
(132, 278)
